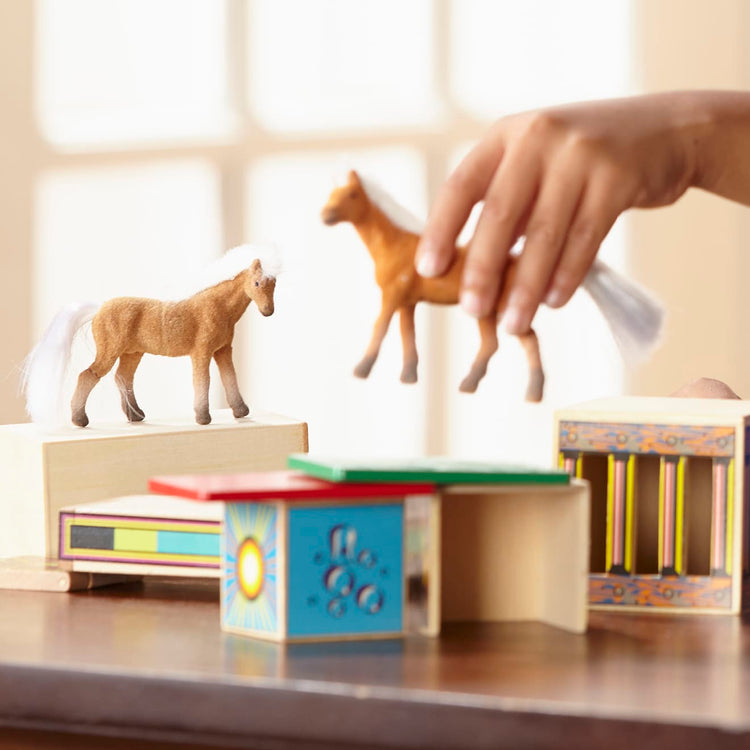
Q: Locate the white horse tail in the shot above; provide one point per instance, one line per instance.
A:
(635, 317)
(44, 370)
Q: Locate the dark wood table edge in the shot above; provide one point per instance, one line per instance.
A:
(299, 714)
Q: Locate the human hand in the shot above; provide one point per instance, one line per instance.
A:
(561, 177)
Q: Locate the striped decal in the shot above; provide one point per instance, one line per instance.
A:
(671, 515)
(620, 486)
(729, 546)
(572, 463)
(136, 540)
(679, 530)
(720, 523)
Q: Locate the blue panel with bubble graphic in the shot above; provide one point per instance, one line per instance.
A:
(345, 570)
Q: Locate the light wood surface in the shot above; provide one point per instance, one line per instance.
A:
(516, 553)
(152, 506)
(44, 471)
(653, 409)
(38, 574)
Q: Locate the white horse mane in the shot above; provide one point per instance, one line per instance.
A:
(399, 215)
(235, 261)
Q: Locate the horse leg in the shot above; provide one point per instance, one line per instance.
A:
(487, 347)
(201, 380)
(362, 370)
(86, 381)
(124, 379)
(409, 345)
(224, 362)
(535, 388)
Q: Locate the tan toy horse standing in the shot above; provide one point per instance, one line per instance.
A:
(391, 236)
(126, 328)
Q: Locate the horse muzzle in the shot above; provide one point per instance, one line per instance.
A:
(330, 216)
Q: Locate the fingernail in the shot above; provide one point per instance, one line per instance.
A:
(515, 319)
(472, 303)
(512, 321)
(426, 261)
(554, 298)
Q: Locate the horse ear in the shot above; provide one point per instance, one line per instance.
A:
(255, 266)
(354, 178)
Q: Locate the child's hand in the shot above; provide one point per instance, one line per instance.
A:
(560, 177)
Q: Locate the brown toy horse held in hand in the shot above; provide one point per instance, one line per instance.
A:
(391, 236)
(126, 328)
(393, 249)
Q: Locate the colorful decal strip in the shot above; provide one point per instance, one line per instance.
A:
(251, 568)
(146, 541)
(688, 592)
(665, 440)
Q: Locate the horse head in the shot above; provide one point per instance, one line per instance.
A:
(260, 287)
(346, 203)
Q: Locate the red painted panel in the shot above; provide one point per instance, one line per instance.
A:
(276, 485)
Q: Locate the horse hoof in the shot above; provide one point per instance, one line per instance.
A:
(408, 377)
(136, 416)
(80, 420)
(241, 411)
(468, 386)
(362, 370)
(535, 389)
(203, 418)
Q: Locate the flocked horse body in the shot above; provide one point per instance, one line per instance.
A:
(391, 236)
(126, 328)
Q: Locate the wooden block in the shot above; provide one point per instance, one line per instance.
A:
(143, 534)
(302, 560)
(436, 470)
(516, 553)
(261, 513)
(37, 574)
(279, 485)
(323, 570)
(652, 409)
(44, 471)
(422, 523)
(669, 500)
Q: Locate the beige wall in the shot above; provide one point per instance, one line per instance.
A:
(17, 159)
(694, 255)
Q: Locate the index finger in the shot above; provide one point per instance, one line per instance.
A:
(465, 187)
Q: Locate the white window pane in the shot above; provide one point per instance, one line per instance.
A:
(131, 70)
(139, 230)
(511, 56)
(300, 361)
(336, 64)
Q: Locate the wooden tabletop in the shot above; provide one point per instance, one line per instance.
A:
(100, 668)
